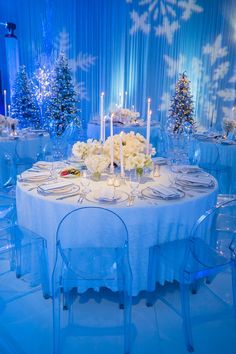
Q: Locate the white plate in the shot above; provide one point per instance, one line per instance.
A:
(94, 196)
(148, 192)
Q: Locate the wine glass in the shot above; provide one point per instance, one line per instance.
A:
(134, 181)
(85, 181)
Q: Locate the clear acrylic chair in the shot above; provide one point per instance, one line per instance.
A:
(218, 169)
(210, 249)
(55, 150)
(92, 252)
(26, 253)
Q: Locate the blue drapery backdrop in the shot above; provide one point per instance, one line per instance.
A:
(133, 46)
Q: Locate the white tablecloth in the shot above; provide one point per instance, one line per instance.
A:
(148, 222)
(30, 144)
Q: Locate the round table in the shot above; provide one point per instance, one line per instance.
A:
(149, 221)
(93, 130)
(26, 144)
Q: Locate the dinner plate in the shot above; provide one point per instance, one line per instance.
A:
(95, 197)
(67, 189)
(149, 193)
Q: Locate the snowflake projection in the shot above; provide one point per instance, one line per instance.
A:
(206, 85)
(169, 13)
(83, 61)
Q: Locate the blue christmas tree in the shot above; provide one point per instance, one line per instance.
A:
(62, 105)
(24, 106)
(181, 111)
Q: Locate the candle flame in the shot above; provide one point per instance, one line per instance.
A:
(149, 100)
(102, 93)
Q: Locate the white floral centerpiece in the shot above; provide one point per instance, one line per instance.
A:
(97, 164)
(97, 156)
(125, 116)
(82, 150)
(229, 125)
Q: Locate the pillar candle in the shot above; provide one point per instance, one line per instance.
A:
(102, 122)
(111, 145)
(148, 125)
(121, 156)
(5, 103)
(126, 96)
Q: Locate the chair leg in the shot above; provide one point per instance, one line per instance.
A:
(56, 321)
(233, 270)
(121, 301)
(127, 322)
(185, 303)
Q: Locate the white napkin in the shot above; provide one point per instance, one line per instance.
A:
(38, 176)
(160, 160)
(185, 169)
(44, 165)
(164, 191)
(203, 181)
(55, 188)
(106, 194)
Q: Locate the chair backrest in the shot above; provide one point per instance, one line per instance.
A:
(55, 150)
(91, 228)
(71, 133)
(216, 229)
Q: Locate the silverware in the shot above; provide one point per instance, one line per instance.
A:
(67, 196)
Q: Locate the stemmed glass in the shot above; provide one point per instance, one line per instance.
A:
(85, 181)
(134, 182)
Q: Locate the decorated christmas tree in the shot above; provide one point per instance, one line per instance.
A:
(41, 88)
(61, 106)
(24, 106)
(181, 111)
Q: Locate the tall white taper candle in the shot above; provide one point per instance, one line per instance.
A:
(5, 103)
(9, 110)
(102, 117)
(148, 125)
(111, 145)
(122, 173)
(126, 96)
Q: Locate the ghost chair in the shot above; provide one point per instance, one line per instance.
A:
(218, 169)
(26, 251)
(91, 254)
(72, 134)
(210, 249)
(55, 150)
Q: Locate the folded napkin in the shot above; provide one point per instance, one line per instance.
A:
(44, 165)
(38, 176)
(55, 188)
(164, 192)
(106, 195)
(160, 160)
(185, 169)
(190, 180)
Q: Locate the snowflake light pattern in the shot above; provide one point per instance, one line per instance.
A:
(165, 11)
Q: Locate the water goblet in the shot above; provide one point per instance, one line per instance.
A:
(85, 181)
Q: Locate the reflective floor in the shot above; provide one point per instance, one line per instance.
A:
(26, 321)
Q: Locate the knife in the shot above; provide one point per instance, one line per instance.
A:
(68, 196)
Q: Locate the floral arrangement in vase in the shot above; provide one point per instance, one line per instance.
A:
(97, 164)
(229, 125)
(82, 150)
(131, 146)
(125, 116)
